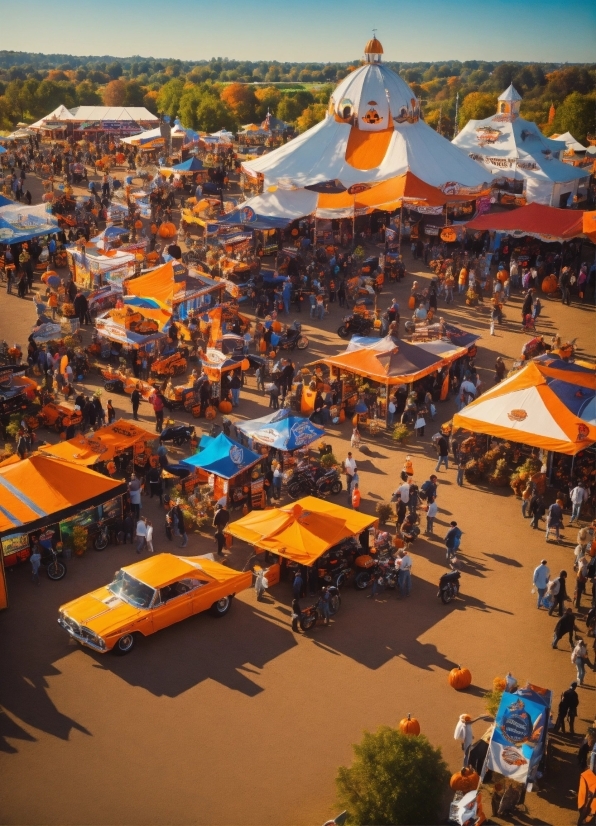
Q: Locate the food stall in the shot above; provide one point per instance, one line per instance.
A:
(282, 432)
(91, 267)
(69, 503)
(181, 292)
(231, 470)
(218, 368)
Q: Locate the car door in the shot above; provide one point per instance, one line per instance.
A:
(174, 603)
(204, 594)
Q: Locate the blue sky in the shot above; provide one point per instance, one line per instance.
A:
(307, 30)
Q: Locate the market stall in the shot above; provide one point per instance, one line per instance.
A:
(287, 435)
(179, 291)
(231, 470)
(92, 268)
(19, 223)
(69, 503)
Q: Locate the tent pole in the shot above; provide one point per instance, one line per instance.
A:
(401, 220)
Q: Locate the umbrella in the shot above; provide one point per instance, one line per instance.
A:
(53, 281)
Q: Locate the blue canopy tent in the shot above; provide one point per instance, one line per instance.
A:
(223, 457)
(281, 430)
(191, 165)
(248, 218)
(19, 222)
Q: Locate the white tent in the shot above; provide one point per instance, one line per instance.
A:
(372, 133)
(113, 113)
(58, 115)
(514, 149)
(570, 142)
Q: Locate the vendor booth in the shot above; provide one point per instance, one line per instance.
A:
(91, 268)
(19, 223)
(230, 469)
(282, 432)
(68, 504)
(181, 292)
(119, 447)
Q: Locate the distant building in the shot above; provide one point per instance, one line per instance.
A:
(520, 159)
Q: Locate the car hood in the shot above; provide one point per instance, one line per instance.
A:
(101, 611)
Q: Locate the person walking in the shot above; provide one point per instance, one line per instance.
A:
(461, 466)
(401, 497)
(431, 514)
(134, 492)
(567, 709)
(356, 496)
(135, 400)
(180, 524)
(557, 592)
(157, 403)
(554, 521)
(536, 510)
(453, 539)
(579, 658)
(235, 387)
(154, 477)
(277, 480)
(220, 520)
(404, 577)
(578, 496)
(141, 533)
(541, 579)
(297, 585)
(35, 561)
(526, 496)
(565, 625)
(110, 411)
(350, 469)
(296, 615)
(443, 448)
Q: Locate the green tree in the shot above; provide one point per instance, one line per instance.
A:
(312, 115)
(134, 94)
(212, 114)
(87, 94)
(394, 779)
(576, 115)
(114, 70)
(170, 94)
(291, 106)
(268, 98)
(476, 106)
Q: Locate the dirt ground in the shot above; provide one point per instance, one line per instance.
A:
(242, 721)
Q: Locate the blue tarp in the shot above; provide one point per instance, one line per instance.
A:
(223, 457)
(191, 165)
(15, 234)
(281, 430)
(248, 218)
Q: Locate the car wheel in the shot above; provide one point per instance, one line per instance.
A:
(125, 644)
(221, 607)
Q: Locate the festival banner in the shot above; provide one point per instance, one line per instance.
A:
(518, 738)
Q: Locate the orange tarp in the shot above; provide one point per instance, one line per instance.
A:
(589, 225)
(158, 284)
(366, 150)
(39, 487)
(302, 531)
(102, 446)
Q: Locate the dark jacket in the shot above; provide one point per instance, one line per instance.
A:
(565, 625)
(443, 446)
(569, 702)
(221, 519)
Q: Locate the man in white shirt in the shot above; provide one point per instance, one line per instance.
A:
(141, 534)
(149, 537)
(350, 468)
(403, 492)
(404, 578)
(541, 579)
(578, 496)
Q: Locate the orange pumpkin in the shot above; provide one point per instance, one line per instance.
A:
(465, 780)
(210, 413)
(225, 406)
(138, 225)
(409, 725)
(276, 326)
(167, 230)
(460, 678)
(550, 284)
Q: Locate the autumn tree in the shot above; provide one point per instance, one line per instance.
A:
(477, 106)
(268, 98)
(576, 115)
(114, 93)
(312, 115)
(170, 94)
(201, 108)
(87, 94)
(241, 100)
(134, 94)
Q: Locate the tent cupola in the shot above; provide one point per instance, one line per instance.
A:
(509, 102)
(373, 51)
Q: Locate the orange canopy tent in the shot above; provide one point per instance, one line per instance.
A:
(534, 219)
(589, 225)
(102, 446)
(158, 284)
(302, 531)
(41, 490)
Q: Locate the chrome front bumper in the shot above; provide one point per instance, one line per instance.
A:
(80, 638)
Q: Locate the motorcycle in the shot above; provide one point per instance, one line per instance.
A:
(449, 585)
(178, 434)
(101, 540)
(293, 338)
(311, 483)
(173, 365)
(382, 567)
(355, 325)
(314, 613)
(335, 565)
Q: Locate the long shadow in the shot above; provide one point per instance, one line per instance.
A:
(367, 465)
(365, 449)
(505, 560)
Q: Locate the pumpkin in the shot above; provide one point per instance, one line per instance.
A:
(550, 284)
(138, 225)
(167, 230)
(409, 725)
(465, 780)
(111, 468)
(210, 413)
(460, 678)
(276, 326)
(225, 406)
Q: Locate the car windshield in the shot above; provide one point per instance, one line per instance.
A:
(131, 590)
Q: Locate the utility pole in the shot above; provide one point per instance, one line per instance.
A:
(456, 130)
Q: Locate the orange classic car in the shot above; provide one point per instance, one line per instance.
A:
(148, 596)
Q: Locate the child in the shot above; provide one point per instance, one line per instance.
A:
(430, 516)
(355, 440)
(111, 412)
(355, 496)
(409, 467)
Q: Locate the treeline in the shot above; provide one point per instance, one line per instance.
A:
(222, 93)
